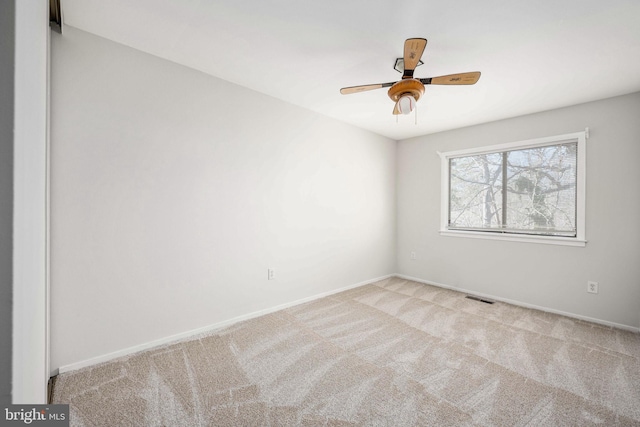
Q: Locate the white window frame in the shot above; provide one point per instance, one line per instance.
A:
(578, 240)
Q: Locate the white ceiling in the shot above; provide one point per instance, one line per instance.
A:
(533, 55)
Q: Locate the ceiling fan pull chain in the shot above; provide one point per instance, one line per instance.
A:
(416, 114)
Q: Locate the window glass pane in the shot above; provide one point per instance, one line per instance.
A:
(475, 192)
(529, 190)
(541, 190)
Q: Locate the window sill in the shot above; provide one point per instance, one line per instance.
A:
(547, 240)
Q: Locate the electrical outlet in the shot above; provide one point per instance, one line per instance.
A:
(592, 287)
(413, 255)
(271, 274)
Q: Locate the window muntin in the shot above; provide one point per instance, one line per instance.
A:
(531, 190)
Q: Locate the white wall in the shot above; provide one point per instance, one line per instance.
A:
(173, 192)
(29, 325)
(553, 277)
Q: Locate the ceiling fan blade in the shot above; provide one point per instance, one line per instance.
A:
(364, 88)
(413, 49)
(453, 79)
(396, 110)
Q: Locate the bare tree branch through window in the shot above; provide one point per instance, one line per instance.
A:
(526, 190)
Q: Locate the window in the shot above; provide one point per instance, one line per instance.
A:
(526, 191)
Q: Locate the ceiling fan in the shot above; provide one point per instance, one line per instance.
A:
(406, 92)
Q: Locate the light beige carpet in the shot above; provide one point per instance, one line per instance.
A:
(393, 353)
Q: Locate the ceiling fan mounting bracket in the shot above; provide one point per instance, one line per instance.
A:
(399, 65)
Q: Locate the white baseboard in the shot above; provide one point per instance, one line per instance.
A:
(210, 328)
(524, 304)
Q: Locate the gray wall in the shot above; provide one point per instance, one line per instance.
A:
(172, 193)
(7, 42)
(548, 276)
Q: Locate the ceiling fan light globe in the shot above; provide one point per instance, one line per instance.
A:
(406, 104)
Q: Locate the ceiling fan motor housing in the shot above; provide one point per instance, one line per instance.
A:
(411, 87)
